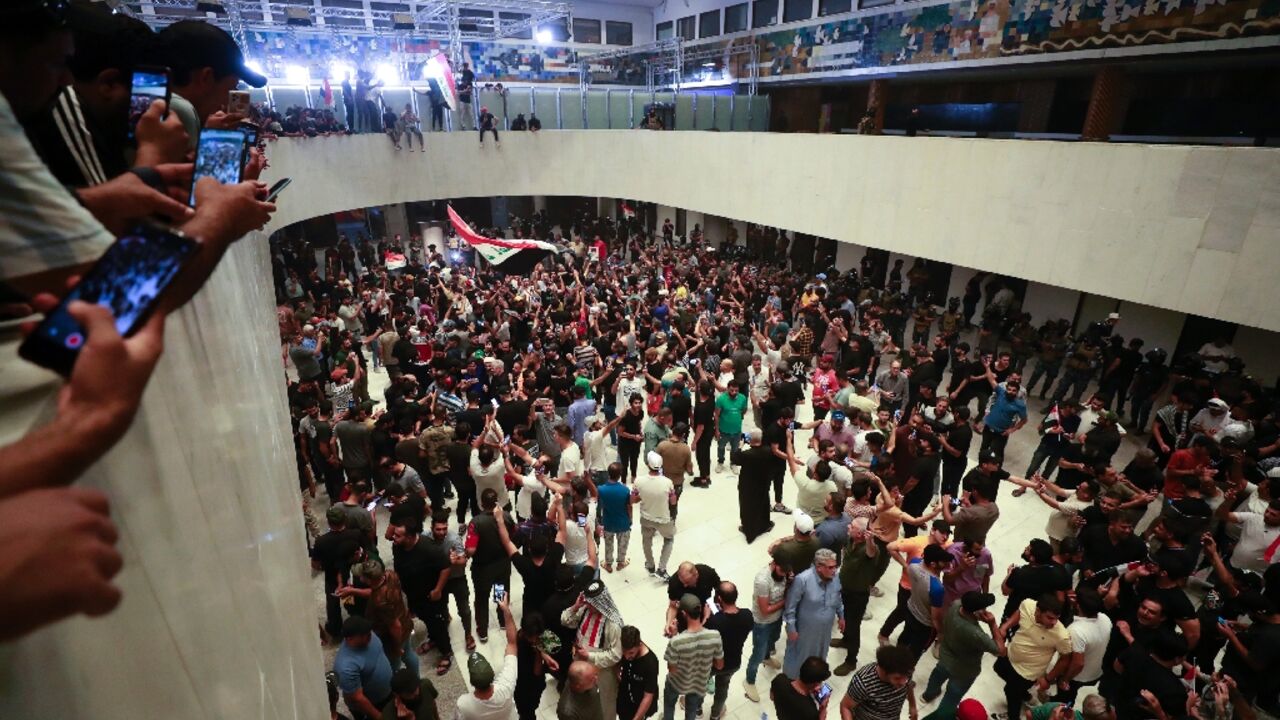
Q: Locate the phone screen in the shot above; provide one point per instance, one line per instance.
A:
(218, 156)
(499, 592)
(128, 280)
(147, 87)
(582, 521)
(250, 133)
(278, 188)
(824, 692)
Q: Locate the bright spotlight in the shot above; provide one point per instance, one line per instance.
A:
(297, 74)
(339, 70)
(387, 73)
(544, 37)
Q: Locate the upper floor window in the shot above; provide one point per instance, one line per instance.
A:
(617, 32)
(764, 13)
(735, 18)
(709, 24)
(666, 30)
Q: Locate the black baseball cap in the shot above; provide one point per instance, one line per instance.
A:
(193, 44)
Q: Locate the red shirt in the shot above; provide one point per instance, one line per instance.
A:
(1174, 486)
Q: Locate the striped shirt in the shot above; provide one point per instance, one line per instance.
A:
(875, 699)
(41, 225)
(692, 654)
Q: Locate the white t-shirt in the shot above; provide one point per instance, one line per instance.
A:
(575, 539)
(1255, 538)
(655, 491)
(571, 461)
(1226, 351)
(500, 705)
(489, 477)
(1210, 425)
(1090, 636)
(627, 388)
(1059, 525)
(595, 444)
(530, 485)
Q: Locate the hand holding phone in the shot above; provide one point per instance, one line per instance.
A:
(219, 155)
(499, 592)
(148, 84)
(128, 281)
(238, 102)
(278, 188)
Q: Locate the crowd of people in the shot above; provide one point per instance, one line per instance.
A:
(527, 420)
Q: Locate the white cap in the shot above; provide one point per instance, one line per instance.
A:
(653, 460)
(804, 523)
(1218, 403)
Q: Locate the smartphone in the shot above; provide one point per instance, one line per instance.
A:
(582, 521)
(494, 403)
(955, 502)
(250, 131)
(128, 279)
(824, 692)
(499, 592)
(793, 425)
(278, 188)
(238, 102)
(219, 155)
(149, 84)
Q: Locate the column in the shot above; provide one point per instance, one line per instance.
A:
(605, 207)
(539, 203)
(1106, 102)
(1036, 98)
(878, 98)
(396, 218)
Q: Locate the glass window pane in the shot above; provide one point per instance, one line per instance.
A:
(544, 106)
(597, 110)
(559, 30)
(571, 106)
(794, 10)
(724, 111)
(666, 30)
(735, 18)
(686, 27)
(617, 33)
(706, 109)
(620, 110)
(834, 7)
(765, 13)
(586, 30)
(709, 24)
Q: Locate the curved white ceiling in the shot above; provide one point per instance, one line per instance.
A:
(1192, 229)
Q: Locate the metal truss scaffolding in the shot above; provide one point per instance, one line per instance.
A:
(660, 54)
(690, 62)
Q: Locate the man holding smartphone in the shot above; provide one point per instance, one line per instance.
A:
(205, 65)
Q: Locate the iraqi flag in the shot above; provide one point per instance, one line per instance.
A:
(628, 212)
(438, 73)
(515, 257)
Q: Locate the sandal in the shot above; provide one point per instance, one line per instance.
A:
(608, 567)
(1019, 492)
(471, 643)
(425, 647)
(622, 564)
(444, 665)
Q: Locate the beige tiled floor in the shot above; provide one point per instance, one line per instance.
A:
(707, 533)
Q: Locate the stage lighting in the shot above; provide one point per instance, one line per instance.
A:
(297, 74)
(544, 37)
(402, 21)
(340, 70)
(387, 73)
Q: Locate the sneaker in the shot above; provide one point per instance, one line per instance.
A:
(927, 698)
(844, 668)
(876, 592)
(772, 662)
(719, 467)
(780, 508)
(750, 691)
(649, 569)
(663, 576)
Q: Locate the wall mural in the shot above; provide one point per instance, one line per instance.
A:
(963, 30)
(973, 29)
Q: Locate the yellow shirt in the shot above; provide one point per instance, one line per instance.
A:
(1032, 648)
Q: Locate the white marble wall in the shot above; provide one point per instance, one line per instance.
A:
(218, 618)
(1192, 229)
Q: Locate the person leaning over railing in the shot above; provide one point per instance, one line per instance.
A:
(48, 235)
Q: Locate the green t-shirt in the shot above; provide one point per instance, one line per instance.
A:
(731, 412)
(964, 642)
(584, 382)
(1042, 712)
(859, 572)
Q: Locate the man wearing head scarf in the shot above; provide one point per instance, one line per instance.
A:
(599, 639)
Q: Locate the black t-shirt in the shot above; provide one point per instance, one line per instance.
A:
(789, 393)
(734, 630)
(1070, 478)
(790, 704)
(1101, 553)
(474, 418)
(539, 580)
(770, 410)
(1177, 606)
(924, 469)
(959, 437)
(975, 478)
(637, 678)
(335, 550)
(1141, 672)
(1263, 641)
(419, 568)
(772, 434)
(459, 455)
(708, 579)
(1035, 581)
(631, 425)
(413, 507)
(704, 413)
(681, 408)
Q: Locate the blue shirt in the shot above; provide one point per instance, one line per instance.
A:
(1004, 412)
(579, 411)
(365, 669)
(614, 497)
